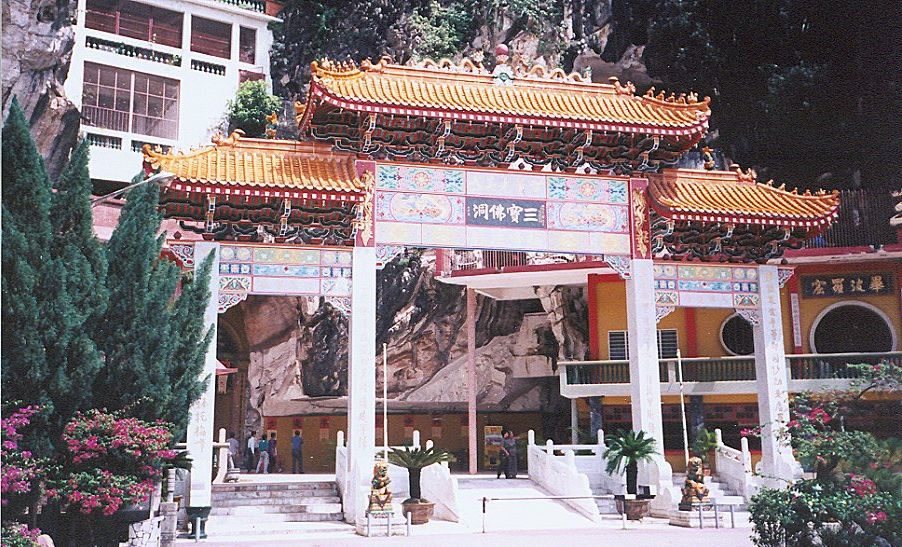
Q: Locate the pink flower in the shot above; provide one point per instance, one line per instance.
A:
(879, 516)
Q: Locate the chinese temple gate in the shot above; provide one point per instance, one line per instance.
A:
(447, 155)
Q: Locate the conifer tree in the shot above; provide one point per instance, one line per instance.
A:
(148, 336)
(52, 282)
(191, 349)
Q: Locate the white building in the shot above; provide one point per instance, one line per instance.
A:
(160, 73)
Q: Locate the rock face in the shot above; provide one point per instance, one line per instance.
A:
(298, 347)
(606, 36)
(37, 45)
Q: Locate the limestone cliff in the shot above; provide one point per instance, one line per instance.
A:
(37, 44)
(298, 347)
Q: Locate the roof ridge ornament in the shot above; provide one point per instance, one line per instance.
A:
(231, 140)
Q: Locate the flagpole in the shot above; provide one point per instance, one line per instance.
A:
(683, 407)
(385, 399)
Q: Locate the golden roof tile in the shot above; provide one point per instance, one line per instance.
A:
(278, 166)
(468, 92)
(734, 196)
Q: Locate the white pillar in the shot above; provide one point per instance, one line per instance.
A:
(645, 380)
(361, 383)
(574, 422)
(200, 425)
(472, 449)
(777, 462)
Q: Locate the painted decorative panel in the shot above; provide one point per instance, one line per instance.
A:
(586, 189)
(499, 209)
(274, 269)
(706, 285)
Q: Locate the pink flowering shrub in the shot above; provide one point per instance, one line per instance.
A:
(111, 462)
(20, 472)
(19, 535)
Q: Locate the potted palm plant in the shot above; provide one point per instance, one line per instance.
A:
(626, 450)
(705, 442)
(414, 460)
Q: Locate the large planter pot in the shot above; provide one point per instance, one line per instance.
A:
(634, 509)
(420, 512)
(195, 513)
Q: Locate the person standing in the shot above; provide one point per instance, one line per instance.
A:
(263, 451)
(509, 444)
(251, 452)
(502, 456)
(234, 447)
(274, 464)
(297, 453)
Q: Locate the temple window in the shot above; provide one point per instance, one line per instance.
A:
(247, 45)
(211, 37)
(736, 336)
(618, 344)
(135, 20)
(128, 101)
(852, 327)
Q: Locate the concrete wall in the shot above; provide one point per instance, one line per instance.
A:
(202, 96)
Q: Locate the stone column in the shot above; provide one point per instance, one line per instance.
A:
(777, 462)
(200, 425)
(645, 380)
(696, 416)
(471, 381)
(596, 415)
(361, 383)
(574, 422)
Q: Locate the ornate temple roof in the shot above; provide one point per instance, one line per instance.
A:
(735, 197)
(462, 114)
(261, 167)
(535, 97)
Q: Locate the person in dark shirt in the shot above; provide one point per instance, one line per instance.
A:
(297, 453)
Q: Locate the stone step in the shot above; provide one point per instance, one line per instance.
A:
(606, 506)
(275, 494)
(297, 499)
(243, 509)
(232, 526)
(738, 500)
(265, 502)
(299, 516)
(274, 486)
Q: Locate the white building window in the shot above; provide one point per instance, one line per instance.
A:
(132, 102)
(618, 344)
(247, 45)
(211, 37)
(135, 20)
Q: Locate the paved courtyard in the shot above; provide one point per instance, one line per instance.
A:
(517, 523)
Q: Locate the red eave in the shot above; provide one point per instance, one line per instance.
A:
(319, 92)
(228, 188)
(531, 268)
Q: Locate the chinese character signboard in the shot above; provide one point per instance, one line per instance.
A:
(854, 284)
(514, 213)
(459, 208)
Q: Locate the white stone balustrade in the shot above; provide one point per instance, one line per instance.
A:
(735, 466)
(436, 483)
(566, 475)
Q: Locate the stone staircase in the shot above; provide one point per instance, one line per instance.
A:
(606, 506)
(275, 508)
(720, 492)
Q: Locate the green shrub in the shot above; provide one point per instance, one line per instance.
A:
(250, 107)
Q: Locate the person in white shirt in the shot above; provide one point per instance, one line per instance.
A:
(234, 448)
(251, 452)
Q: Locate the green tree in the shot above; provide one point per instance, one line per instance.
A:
(53, 272)
(153, 341)
(626, 450)
(250, 107)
